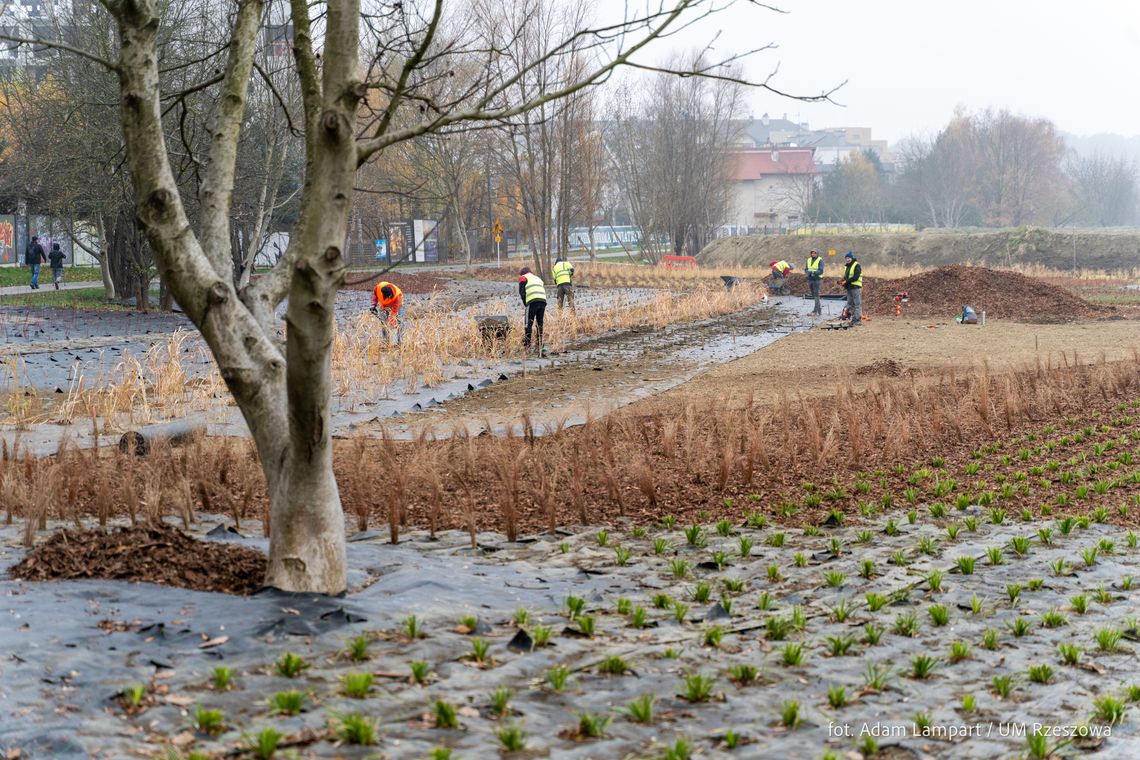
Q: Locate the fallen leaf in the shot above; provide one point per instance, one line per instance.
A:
(180, 700)
(214, 642)
(183, 739)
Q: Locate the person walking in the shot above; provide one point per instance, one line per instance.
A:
(780, 271)
(55, 258)
(532, 291)
(34, 257)
(388, 297)
(563, 272)
(853, 281)
(814, 271)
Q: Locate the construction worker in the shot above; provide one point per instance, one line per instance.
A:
(814, 271)
(780, 271)
(563, 272)
(532, 291)
(388, 297)
(853, 281)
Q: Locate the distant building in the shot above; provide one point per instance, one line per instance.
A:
(27, 19)
(756, 133)
(832, 145)
(772, 185)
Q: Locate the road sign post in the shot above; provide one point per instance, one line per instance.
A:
(497, 229)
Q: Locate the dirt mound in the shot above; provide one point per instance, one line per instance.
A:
(941, 293)
(409, 282)
(882, 367)
(150, 554)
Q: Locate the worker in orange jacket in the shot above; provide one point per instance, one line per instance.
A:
(388, 297)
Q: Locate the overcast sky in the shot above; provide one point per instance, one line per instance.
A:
(909, 63)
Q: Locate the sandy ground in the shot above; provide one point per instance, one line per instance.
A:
(809, 363)
(812, 363)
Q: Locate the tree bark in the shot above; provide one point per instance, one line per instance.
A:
(284, 401)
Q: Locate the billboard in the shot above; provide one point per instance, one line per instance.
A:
(399, 236)
(426, 236)
(8, 240)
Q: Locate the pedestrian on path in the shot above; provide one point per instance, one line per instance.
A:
(532, 291)
(35, 257)
(853, 282)
(814, 270)
(55, 258)
(563, 272)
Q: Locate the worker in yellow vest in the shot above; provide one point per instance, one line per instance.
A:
(532, 291)
(814, 271)
(563, 272)
(853, 282)
(780, 271)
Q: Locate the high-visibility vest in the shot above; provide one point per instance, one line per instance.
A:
(562, 271)
(535, 288)
(815, 265)
(849, 272)
(393, 303)
(781, 266)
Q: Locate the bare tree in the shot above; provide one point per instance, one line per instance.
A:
(671, 155)
(992, 168)
(1104, 188)
(283, 388)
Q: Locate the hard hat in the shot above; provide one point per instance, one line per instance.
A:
(524, 270)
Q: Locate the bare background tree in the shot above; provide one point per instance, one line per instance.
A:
(1104, 189)
(669, 144)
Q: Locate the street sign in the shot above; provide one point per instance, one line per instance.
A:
(498, 238)
(830, 251)
(497, 228)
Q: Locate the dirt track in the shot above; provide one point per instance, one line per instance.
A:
(812, 363)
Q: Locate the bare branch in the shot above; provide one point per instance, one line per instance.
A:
(109, 65)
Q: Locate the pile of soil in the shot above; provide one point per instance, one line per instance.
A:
(150, 554)
(1002, 294)
(941, 293)
(882, 367)
(409, 282)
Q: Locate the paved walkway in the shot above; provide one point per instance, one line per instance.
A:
(23, 290)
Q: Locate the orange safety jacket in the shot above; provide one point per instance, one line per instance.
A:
(391, 305)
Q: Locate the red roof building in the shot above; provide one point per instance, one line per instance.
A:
(756, 163)
(773, 185)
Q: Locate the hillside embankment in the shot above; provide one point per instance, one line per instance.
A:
(1066, 250)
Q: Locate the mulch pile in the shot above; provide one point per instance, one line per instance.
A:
(1001, 294)
(409, 282)
(149, 554)
(941, 293)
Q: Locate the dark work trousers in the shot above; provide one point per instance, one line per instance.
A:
(566, 292)
(535, 311)
(814, 285)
